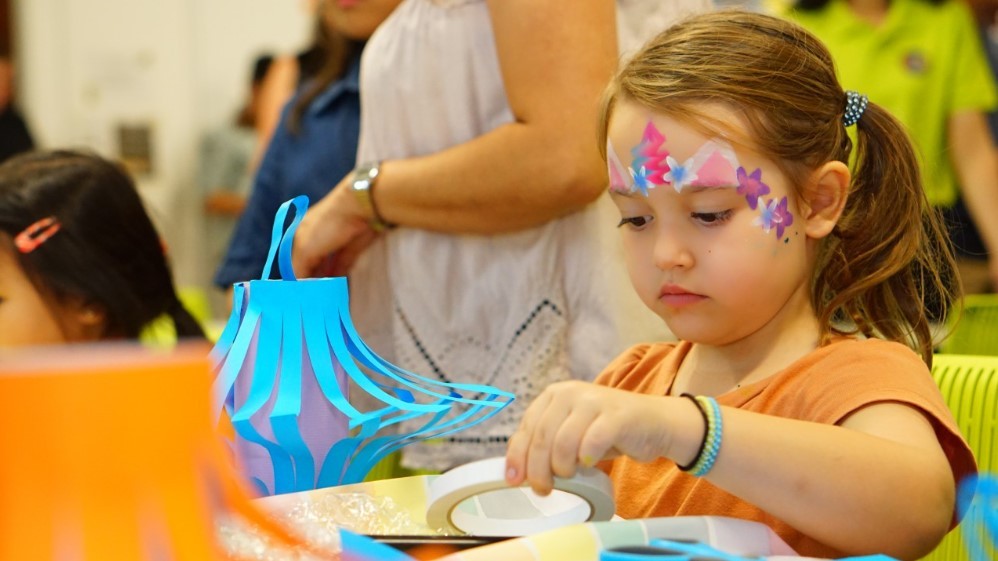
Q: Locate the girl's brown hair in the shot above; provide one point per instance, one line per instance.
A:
(888, 260)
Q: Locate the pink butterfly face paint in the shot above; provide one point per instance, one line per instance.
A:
(713, 165)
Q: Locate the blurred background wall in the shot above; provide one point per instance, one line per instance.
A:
(143, 80)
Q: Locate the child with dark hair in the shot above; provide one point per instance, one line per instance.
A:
(799, 394)
(80, 260)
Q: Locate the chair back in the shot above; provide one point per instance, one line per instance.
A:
(970, 386)
(975, 331)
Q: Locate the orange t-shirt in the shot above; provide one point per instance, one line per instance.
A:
(825, 386)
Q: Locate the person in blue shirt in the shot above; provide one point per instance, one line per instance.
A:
(315, 141)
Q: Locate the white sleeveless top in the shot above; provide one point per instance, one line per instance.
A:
(516, 311)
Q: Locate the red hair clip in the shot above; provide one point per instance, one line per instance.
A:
(36, 234)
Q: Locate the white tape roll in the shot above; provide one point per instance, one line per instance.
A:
(586, 497)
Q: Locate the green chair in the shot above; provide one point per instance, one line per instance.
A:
(976, 330)
(970, 386)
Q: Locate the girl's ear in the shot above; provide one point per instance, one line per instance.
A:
(825, 198)
(85, 322)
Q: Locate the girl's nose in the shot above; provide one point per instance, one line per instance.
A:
(671, 250)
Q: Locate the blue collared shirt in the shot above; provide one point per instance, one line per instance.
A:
(310, 162)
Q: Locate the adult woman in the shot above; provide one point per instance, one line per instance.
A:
(478, 136)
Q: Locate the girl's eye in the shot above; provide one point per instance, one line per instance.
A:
(711, 218)
(636, 222)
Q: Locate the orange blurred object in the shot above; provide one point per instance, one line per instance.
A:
(430, 552)
(109, 454)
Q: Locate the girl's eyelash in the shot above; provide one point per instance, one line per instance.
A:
(634, 221)
(712, 218)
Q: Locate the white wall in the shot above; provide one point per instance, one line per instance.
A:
(85, 66)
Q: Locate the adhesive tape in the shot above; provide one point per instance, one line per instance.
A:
(586, 497)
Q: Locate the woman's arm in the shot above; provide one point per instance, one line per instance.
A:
(555, 61)
(976, 161)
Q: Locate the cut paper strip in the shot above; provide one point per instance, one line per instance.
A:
(458, 501)
(283, 363)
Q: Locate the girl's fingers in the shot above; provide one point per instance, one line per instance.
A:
(519, 444)
(542, 441)
(597, 443)
(565, 455)
(516, 458)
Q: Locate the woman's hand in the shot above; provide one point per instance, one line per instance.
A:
(575, 422)
(332, 235)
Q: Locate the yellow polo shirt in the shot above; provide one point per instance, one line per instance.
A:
(924, 63)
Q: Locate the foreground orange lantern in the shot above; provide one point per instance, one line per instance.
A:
(108, 454)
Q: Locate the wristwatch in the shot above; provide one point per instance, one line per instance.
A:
(362, 184)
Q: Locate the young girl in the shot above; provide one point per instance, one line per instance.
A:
(79, 258)
(799, 394)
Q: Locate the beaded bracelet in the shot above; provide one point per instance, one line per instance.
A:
(713, 446)
(706, 456)
(706, 429)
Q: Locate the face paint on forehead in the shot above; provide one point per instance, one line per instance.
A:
(649, 159)
(714, 165)
(619, 180)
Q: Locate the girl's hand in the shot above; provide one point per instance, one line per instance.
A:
(333, 233)
(578, 422)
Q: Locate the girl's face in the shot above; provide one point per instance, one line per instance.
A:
(716, 246)
(357, 19)
(27, 318)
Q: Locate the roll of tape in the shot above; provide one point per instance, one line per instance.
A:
(590, 498)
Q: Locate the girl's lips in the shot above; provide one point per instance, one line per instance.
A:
(678, 297)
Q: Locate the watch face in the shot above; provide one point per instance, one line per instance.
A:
(362, 183)
(364, 176)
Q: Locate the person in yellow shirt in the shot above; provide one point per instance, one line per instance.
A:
(923, 60)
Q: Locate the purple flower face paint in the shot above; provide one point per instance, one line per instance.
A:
(751, 186)
(783, 217)
(774, 214)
